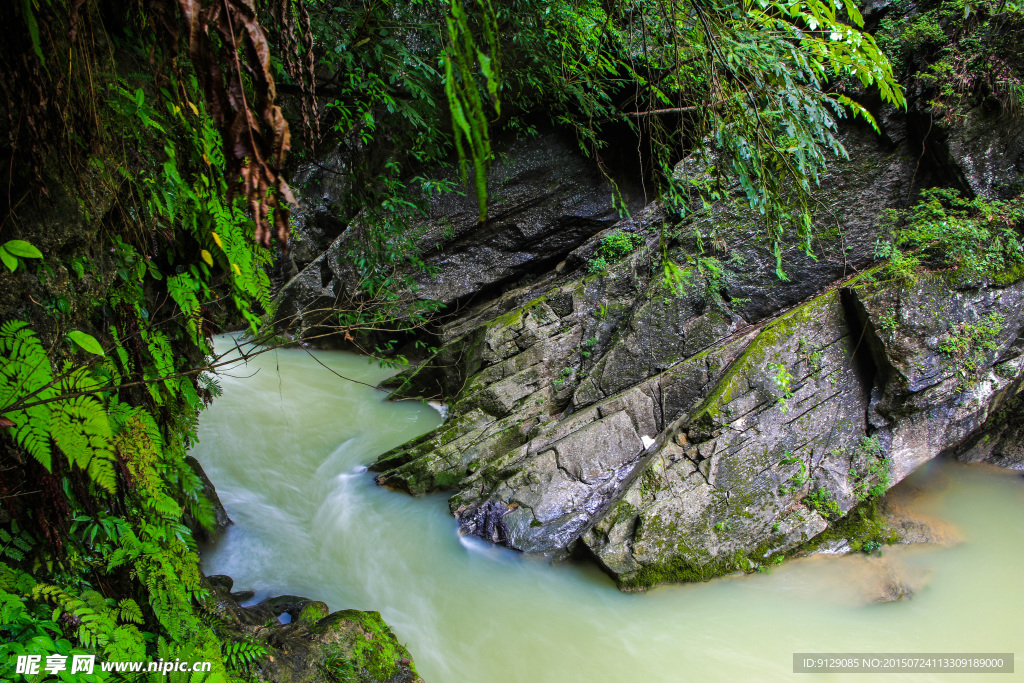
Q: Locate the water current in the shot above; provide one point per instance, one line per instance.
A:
(287, 445)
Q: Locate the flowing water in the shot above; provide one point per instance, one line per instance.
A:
(286, 447)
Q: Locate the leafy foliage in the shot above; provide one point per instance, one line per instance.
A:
(177, 122)
(241, 653)
(462, 60)
(782, 379)
(968, 345)
(870, 469)
(821, 499)
(958, 52)
(745, 90)
(11, 250)
(26, 371)
(741, 87)
(977, 238)
(612, 248)
(105, 411)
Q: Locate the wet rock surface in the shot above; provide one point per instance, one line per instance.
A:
(221, 521)
(987, 152)
(679, 436)
(545, 200)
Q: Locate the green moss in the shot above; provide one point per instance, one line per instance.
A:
(867, 278)
(677, 569)
(510, 319)
(753, 358)
(1009, 275)
(674, 570)
(620, 513)
(514, 318)
(364, 648)
(313, 612)
(446, 480)
(651, 482)
(864, 524)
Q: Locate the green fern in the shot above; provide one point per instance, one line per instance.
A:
(26, 371)
(15, 542)
(81, 430)
(94, 627)
(126, 644)
(82, 414)
(78, 425)
(127, 367)
(242, 653)
(128, 610)
(97, 620)
(184, 289)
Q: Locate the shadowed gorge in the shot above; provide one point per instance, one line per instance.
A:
(512, 340)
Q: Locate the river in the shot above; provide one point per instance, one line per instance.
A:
(287, 444)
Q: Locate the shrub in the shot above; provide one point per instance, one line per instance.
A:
(613, 247)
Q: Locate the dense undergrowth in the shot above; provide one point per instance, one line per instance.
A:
(141, 250)
(146, 198)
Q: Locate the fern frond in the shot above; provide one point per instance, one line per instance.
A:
(182, 289)
(81, 430)
(242, 653)
(95, 627)
(129, 611)
(163, 362)
(126, 644)
(26, 369)
(33, 433)
(95, 600)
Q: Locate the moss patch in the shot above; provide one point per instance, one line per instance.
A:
(679, 570)
(863, 527)
(754, 356)
(361, 647)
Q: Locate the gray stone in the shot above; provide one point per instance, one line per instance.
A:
(545, 199)
(677, 437)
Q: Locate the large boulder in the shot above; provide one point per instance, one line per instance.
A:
(680, 435)
(986, 152)
(819, 414)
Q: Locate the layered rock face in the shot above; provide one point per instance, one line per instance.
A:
(545, 200)
(677, 436)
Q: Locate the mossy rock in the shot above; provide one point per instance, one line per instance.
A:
(359, 646)
(863, 527)
(313, 612)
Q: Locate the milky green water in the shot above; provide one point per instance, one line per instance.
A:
(286, 448)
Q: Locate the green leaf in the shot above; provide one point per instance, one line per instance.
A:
(8, 260)
(33, 29)
(86, 341)
(23, 249)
